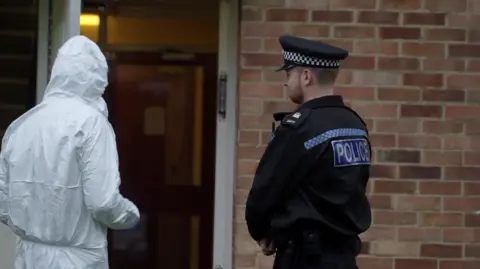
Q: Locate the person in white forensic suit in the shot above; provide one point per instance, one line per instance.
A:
(59, 174)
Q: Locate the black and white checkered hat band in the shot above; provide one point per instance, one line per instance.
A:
(309, 61)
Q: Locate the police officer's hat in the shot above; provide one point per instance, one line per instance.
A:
(303, 52)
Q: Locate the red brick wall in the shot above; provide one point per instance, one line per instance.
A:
(413, 74)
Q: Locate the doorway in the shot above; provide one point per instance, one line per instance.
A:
(165, 124)
(162, 102)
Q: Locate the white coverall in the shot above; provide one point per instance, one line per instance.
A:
(59, 177)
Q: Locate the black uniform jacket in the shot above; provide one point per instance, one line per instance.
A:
(314, 172)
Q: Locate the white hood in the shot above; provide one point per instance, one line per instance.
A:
(80, 70)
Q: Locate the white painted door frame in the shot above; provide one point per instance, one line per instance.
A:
(65, 23)
(227, 134)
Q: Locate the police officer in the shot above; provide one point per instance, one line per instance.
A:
(308, 200)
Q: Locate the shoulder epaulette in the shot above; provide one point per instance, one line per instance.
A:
(279, 116)
(296, 119)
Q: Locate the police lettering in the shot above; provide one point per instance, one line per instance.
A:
(349, 152)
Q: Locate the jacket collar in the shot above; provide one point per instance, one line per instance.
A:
(325, 101)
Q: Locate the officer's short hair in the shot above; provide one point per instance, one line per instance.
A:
(324, 76)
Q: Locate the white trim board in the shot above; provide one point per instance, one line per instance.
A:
(42, 48)
(225, 165)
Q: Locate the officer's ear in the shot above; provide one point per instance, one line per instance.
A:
(307, 77)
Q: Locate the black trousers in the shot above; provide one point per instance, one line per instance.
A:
(308, 251)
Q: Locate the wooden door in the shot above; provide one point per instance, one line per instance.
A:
(164, 117)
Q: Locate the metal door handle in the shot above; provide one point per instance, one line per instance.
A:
(222, 95)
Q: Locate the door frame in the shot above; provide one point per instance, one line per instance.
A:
(42, 48)
(227, 127)
(227, 134)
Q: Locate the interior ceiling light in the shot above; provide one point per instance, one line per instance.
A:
(89, 20)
